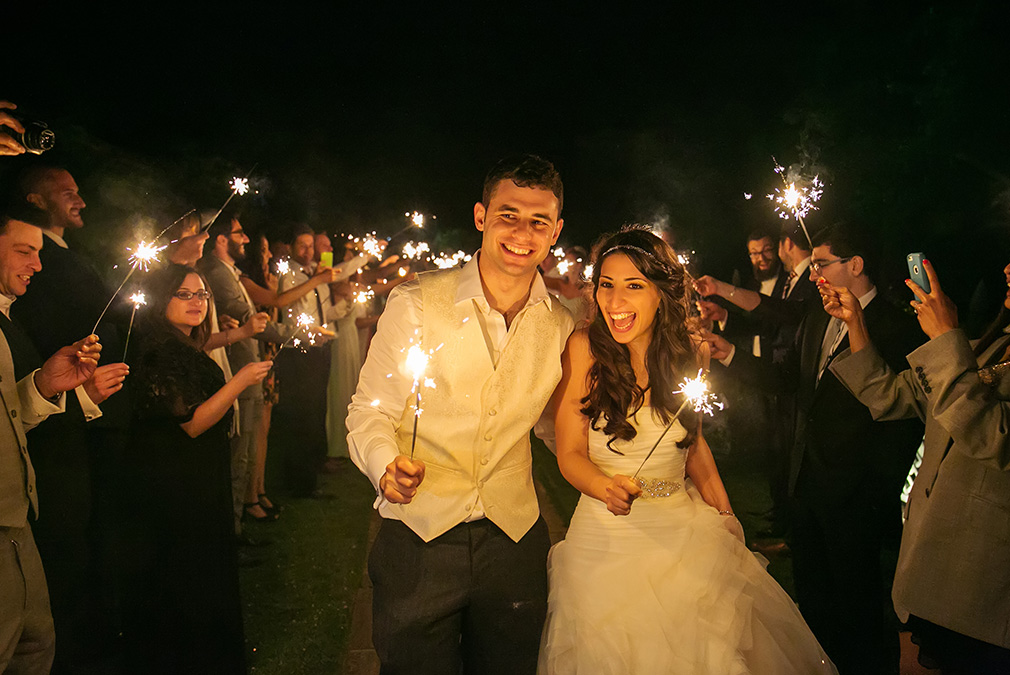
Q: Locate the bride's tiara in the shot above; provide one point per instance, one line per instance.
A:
(648, 254)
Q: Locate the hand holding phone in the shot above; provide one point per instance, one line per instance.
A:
(916, 272)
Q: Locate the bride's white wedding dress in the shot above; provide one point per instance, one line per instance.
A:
(667, 589)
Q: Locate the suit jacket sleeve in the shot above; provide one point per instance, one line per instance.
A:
(889, 395)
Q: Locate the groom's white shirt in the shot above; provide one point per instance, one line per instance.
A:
(492, 383)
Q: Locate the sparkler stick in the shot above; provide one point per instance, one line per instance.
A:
(696, 393)
(143, 255)
(416, 220)
(303, 323)
(799, 201)
(417, 361)
(137, 299)
(239, 186)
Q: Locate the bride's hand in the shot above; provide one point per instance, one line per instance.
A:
(734, 527)
(621, 492)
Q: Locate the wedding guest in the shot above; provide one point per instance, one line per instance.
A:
(846, 469)
(29, 396)
(950, 586)
(182, 606)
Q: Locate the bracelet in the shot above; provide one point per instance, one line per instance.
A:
(727, 513)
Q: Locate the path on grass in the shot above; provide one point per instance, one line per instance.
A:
(361, 658)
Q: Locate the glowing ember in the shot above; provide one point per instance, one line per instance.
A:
(239, 186)
(138, 299)
(696, 391)
(371, 246)
(144, 254)
(415, 251)
(417, 362)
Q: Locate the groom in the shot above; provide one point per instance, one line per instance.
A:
(459, 564)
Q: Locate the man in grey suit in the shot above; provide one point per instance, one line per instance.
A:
(951, 585)
(27, 640)
(227, 246)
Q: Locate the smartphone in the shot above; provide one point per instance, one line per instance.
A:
(326, 259)
(916, 272)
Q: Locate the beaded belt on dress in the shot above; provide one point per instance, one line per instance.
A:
(654, 488)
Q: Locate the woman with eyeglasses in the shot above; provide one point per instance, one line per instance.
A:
(182, 611)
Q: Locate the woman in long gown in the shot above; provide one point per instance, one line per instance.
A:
(182, 608)
(666, 586)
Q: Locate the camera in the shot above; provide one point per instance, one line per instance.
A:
(36, 139)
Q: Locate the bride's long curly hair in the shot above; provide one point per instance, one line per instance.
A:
(614, 394)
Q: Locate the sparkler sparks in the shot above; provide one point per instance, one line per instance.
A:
(414, 251)
(371, 246)
(559, 253)
(696, 394)
(797, 197)
(563, 267)
(239, 186)
(445, 261)
(137, 299)
(361, 297)
(144, 254)
(587, 272)
(416, 363)
(283, 266)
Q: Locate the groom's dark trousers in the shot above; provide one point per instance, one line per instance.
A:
(470, 598)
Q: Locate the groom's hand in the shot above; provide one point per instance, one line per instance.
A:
(399, 483)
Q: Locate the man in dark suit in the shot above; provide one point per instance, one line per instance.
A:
(846, 471)
(774, 318)
(75, 455)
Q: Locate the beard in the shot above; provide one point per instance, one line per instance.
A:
(764, 275)
(236, 251)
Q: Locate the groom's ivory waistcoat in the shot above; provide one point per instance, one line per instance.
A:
(473, 432)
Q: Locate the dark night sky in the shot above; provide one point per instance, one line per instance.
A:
(355, 117)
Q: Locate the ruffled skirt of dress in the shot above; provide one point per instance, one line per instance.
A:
(668, 590)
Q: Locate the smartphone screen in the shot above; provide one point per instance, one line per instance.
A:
(916, 272)
(326, 259)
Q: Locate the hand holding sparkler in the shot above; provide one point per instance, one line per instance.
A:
(68, 368)
(417, 362)
(696, 393)
(621, 491)
(106, 381)
(400, 482)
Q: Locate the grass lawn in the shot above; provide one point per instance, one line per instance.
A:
(297, 603)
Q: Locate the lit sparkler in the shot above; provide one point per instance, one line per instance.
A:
(796, 200)
(142, 256)
(283, 267)
(137, 299)
(414, 251)
(417, 363)
(587, 272)
(371, 246)
(563, 267)
(559, 253)
(416, 220)
(239, 186)
(445, 261)
(361, 297)
(696, 393)
(303, 325)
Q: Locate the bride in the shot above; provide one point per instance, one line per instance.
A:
(668, 586)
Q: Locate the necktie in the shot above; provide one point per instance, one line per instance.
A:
(788, 285)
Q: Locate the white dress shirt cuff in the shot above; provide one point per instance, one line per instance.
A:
(729, 357)
(89, 407)
(34, 406)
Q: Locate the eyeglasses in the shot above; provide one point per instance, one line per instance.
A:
(186, 296)
(818, 265)
(240, 232)
(762, 253)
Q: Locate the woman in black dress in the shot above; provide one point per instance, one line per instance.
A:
(182, 608)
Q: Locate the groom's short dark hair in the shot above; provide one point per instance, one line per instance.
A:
(525, 171)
